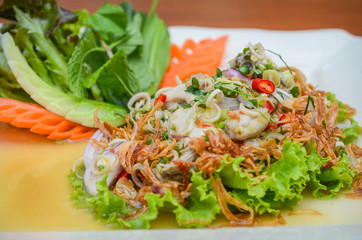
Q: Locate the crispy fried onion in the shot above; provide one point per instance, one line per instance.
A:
(305, 211)
(224, 198)
(316, 123)
(124, 189)
(272, 148)
(208, 162)
(218, 144)
(357, 189)
(100, 125)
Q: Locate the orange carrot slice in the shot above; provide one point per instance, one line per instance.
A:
(192, 58)
(41, 121)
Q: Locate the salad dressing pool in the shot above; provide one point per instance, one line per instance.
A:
(35, 191)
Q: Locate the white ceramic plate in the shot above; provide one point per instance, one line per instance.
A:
(330, 59)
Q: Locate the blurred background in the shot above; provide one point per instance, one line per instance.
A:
(263, 14)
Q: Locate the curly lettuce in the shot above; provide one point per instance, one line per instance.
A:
(111, 209)
(352, 133)
(286, 179)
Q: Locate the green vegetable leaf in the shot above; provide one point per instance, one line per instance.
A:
(23, 41)
(110, 21)
(111, 209)
(352, 133)
(115, 79)
(76, 65)
(4, 67)
(14, 93)
(202, 203)
(295, 92)
(156, 46)
(195, 91)
(132, 40)
(283, 185)
(341, 111)
(73, 108)
(331, 180)
(54, 61)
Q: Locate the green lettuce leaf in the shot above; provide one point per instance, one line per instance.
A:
(22, 40)
(73, 108)
(14, 93)
(9, 87)
(341, 112)
(352, 133)
(54, 60)
(111, 209)
(285, 180)
(333, 179)
(315, 162)
(232, 175)
(287, 176)
(5, 70)
(202, 203)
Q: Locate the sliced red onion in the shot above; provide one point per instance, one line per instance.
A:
(178, 136)
(90, 154)
(245, 103)
(90, 151)
(233, 72)
(285, 94)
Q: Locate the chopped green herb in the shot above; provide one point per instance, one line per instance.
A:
(340, 150)
(280, 94)
(187, 105)
(195, 83)
(206, 138)
(218, 72)
(324, 124)
(165, 136)
(258, 71)
(201, 99)
(164, 160)
(149, 142)
(194, 91)
(176, 147)
(220, 125)
(244, 69)
(253, 102)
(269, 66)
(280, 56)
(100, 167)
(217, 85)
(295, 92)
(250, 90)
(261, 67)
(310, 99)
(245, 50)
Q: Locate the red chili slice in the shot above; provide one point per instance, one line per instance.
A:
(263, 86)
(205, 125)
(287, 118)
(271, 126)
(183, 167)
(161, 97)
(268, 105)
(124, 174)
